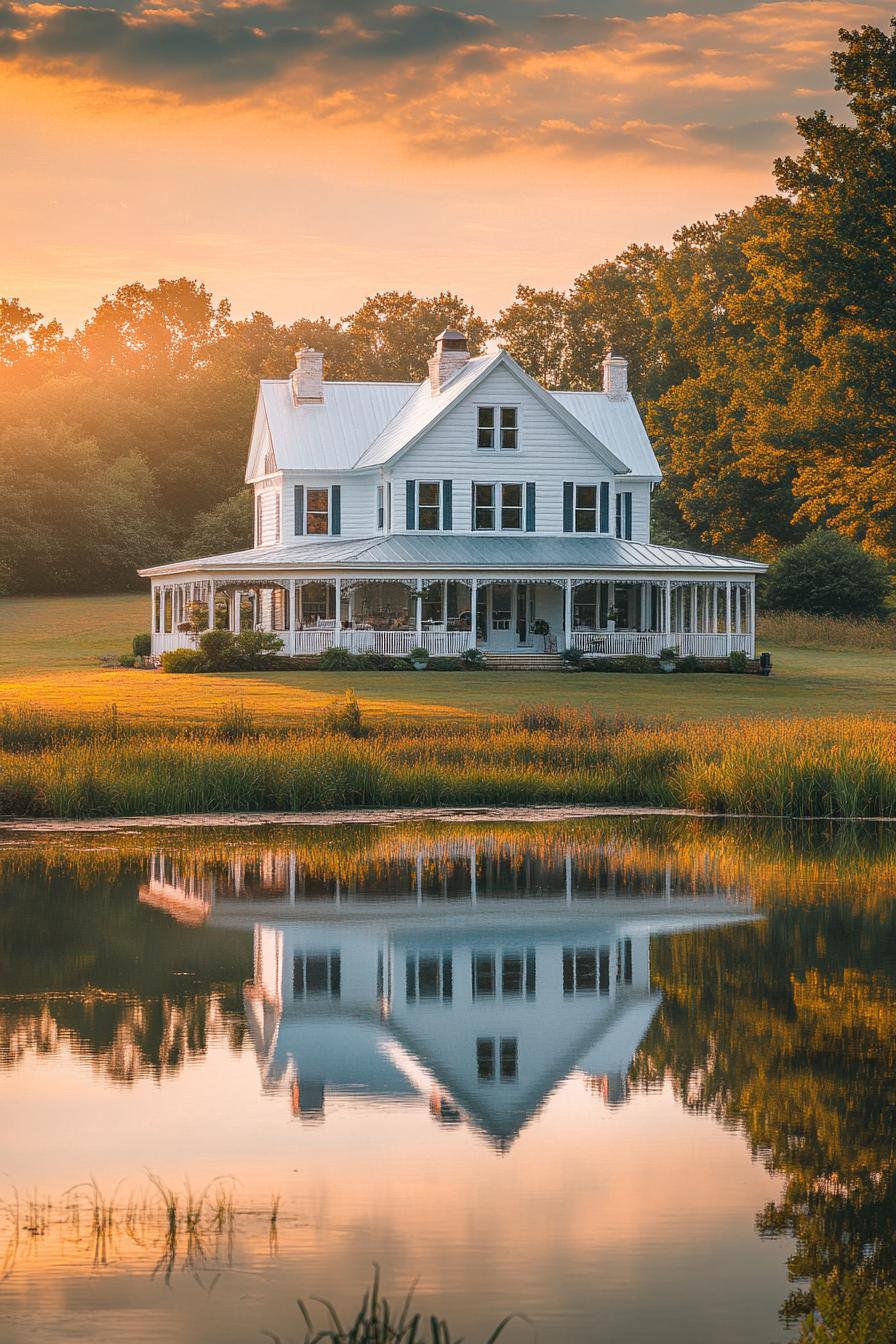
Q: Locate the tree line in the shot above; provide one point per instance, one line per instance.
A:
(761, 344)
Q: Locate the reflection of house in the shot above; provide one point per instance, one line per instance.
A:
(484, 1015)
(468, 974)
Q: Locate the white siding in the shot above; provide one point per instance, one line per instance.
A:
(267, 514)
(548, 454)
(358, 502)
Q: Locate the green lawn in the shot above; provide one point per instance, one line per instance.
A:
(49, 650)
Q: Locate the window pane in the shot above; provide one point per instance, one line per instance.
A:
(485, 1059)
(429, 977)
(512, 973)
(485, 433)
(429, 519)
(511, 507)
(485, 495)
(586, 496)
(508, 428)
(429, 492)
(508, 1059)
(586, 520)
(483, 974)
(317, 501)
(316, 974)
(586, 971)
(317, 524)
(569, 982)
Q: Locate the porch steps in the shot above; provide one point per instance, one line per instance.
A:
(524, 662)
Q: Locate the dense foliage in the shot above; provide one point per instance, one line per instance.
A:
(828, 575)
(761, 346)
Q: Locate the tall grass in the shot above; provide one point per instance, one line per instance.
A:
(836, 767)
(796, 629)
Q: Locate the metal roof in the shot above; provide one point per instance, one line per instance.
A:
(362, 425)
(423, 410)
(461, 552)
(330, 436)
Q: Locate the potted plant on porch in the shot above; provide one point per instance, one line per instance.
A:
(613, 615)
(419, 658)
(541, 627)
(667, 659)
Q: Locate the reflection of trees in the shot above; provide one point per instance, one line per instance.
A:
(787, 1030)
(86, 965)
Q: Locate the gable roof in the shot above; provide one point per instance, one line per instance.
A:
(330, 436)
(423, 411)
(367, 425)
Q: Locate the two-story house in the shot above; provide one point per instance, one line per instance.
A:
(474, 509)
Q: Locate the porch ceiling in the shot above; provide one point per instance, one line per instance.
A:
(464, 552)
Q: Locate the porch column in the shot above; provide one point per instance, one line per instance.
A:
(667, 611)
(727, 615)
(567, 615)
(693, 608)
(752, 618)
(474, 595)
(715, 609)
(419, 614)
(211, 604)
(291, 617)
(337, 633)
(644, 614)
(444, 620)
(236, 620)
(738, 603)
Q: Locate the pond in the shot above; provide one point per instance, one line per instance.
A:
(633, 1079)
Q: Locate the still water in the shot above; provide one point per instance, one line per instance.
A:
(634, 1079)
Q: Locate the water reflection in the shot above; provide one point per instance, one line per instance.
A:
(470, 1017)
(477, 977)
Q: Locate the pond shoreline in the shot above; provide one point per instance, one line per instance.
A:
(353, 816)
(379, 816)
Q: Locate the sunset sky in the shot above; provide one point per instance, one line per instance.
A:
(297, 155)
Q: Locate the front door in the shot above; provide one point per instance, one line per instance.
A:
(508, 616)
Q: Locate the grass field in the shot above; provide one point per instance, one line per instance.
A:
(49, 649)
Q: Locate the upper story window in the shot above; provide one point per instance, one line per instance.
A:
(586, 970)
(497, 504)
(586, 507)
(624, 515)
(318, 510)
(497, 429)
(429, 506)
(380, 507)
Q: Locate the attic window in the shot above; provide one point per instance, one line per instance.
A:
(497, 429)
(270, 462)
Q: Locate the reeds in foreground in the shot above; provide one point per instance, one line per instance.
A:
(376, 1323)
(830, 767)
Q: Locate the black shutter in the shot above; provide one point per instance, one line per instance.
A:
(410, 493)
(335, 510)
(530, 506)
(627, 515)
(604, 506)
(568, 520)
(299, 508)
(446, 506)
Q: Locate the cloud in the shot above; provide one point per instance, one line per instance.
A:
(496, 77)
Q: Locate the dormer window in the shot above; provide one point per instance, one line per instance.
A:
(497, 429)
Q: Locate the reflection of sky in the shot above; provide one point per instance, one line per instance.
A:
(643, 1214)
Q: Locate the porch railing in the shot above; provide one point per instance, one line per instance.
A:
(392, 643)
(618, 643)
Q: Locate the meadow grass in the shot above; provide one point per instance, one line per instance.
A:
(834, 767)
(49, 651)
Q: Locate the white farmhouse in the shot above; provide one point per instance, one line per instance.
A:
(472, 510)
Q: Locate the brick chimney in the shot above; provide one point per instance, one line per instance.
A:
(450, 356)
(307, 378)
(615, 377)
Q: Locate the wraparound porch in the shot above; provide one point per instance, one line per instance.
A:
(603, 616)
